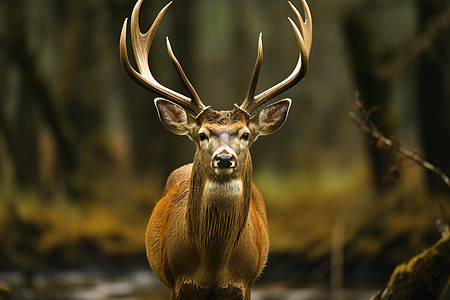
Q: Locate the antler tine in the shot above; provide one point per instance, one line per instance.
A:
(141, 44)
(304, 40)
(187, 84)
(255, 75)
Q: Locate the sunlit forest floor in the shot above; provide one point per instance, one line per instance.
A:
(379, 229)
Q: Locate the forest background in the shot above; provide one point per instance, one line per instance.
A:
(84, 158)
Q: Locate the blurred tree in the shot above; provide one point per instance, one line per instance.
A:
(374, 90)
(433, 92)
(43, 105)
(17, 112)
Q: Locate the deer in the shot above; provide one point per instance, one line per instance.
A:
(207, 237)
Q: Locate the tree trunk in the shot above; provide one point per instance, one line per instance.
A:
(374, 91)
(434, 95)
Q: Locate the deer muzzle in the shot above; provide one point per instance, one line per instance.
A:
(224, 160)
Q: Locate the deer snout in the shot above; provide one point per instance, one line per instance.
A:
(225, 161)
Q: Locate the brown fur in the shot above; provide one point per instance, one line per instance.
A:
(207, 237)
(204, 244)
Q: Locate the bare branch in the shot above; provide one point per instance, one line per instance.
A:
(363, 123)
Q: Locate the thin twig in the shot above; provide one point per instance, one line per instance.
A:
(364, 124)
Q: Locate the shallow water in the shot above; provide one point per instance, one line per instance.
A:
(137, 285)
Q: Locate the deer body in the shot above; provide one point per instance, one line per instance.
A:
(207, 237)
(219, 252)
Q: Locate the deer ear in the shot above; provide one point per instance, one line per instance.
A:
(271, 118)
(174, 117)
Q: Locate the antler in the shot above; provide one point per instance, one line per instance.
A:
(304, 40)
(141, 46)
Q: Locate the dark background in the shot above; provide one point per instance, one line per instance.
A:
(83, 156)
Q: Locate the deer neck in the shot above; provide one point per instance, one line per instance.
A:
(218, 206)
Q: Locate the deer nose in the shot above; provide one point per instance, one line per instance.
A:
(224, 161)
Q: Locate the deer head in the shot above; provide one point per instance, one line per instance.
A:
(222, 137)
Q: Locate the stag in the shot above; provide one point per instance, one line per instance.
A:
(207, 237)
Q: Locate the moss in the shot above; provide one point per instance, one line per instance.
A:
(425, 276)
(4, 292)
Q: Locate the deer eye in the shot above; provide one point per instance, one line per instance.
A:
(245, 136)
(202, 136)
